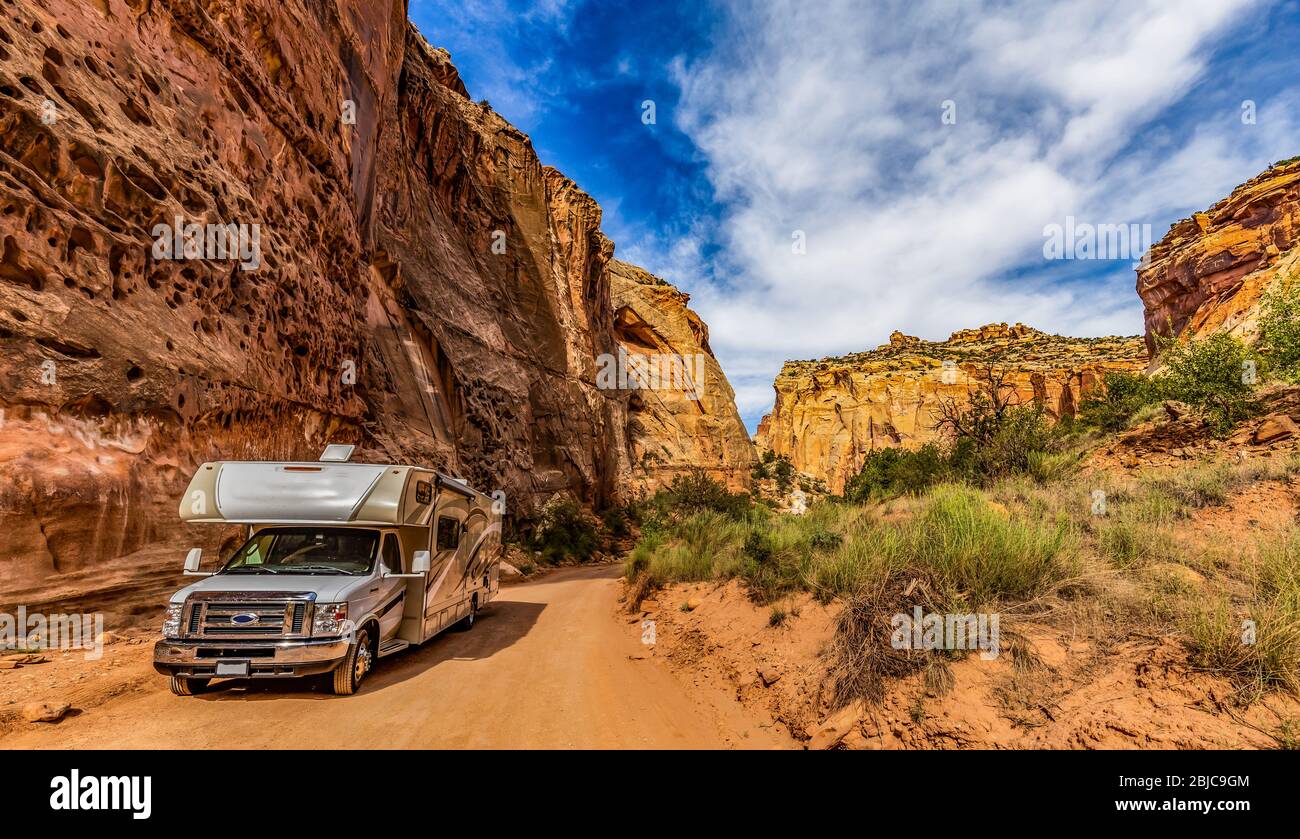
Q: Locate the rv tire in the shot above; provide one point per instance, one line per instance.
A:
(467, 623)
(186, 686)
(349, 675)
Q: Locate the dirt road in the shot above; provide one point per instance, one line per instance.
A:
(550, 664)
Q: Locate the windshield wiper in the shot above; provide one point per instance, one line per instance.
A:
(314, 569)
(250, 569)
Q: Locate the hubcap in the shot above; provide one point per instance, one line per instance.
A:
(362, 665)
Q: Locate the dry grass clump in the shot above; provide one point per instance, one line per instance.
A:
(863, 657)
(1255, 641)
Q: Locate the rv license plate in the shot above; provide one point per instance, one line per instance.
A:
(232, 668)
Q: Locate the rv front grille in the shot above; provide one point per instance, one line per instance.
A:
(299, 613)
(224, 616)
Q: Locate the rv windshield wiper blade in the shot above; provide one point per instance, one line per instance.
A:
(315, 569)
(250, 569)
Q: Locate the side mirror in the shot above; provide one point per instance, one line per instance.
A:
(420, 562)
(192, 560)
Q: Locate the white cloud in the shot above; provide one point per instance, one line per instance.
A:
(826, 118)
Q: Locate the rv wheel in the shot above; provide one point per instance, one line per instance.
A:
(349, 675)
(185, 686)
(467, 622)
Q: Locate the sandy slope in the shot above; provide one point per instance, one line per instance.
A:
(549, 665)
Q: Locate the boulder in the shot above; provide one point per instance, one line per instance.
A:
(45, 711)
(836, 727)
(1275, 427)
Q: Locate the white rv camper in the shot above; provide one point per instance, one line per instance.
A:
(345, 563)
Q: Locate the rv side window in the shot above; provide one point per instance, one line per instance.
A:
(448, 533)
(392, 554)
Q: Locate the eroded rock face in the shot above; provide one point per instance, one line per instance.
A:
(829, 414)
(689, 420)
(1210, 271)
(423, 286)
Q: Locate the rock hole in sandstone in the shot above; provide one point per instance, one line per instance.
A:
(135, 113)
(84, 108)
(37, 27)
(4, 54)
(10, 91)
(90, 405)
(13, 270)
(63, 33)
(53, 56)
(85, 162)
(18, 316)
(65, 348)
(31, 84)
(134, 374)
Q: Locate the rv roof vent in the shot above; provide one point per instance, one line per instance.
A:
(337, 453)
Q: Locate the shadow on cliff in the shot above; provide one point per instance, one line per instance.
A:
(499, 625)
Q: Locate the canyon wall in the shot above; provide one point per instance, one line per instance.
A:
(690, 420)
(830, 413)
(420, 284)
(1209, 271)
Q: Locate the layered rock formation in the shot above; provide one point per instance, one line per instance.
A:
(690, 419)
(1210, 271)
(419, 283)
(830, 413)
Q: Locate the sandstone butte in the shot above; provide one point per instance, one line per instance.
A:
(830, 414)
(1208, 274)
(380, 315)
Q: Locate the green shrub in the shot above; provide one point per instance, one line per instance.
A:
(1020, 433)
(1122, 396)
(1208, 374)
(564, 531)
(688, 494)
(1279, 330)
(783, 471)
(894, 471)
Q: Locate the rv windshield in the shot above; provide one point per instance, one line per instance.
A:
(306, 550)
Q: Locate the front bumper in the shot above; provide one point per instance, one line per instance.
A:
(265, 659)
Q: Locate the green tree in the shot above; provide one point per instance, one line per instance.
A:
(1214, 375)
(1279, 329)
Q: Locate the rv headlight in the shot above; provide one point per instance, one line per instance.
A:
(329, 618)
(171, 627)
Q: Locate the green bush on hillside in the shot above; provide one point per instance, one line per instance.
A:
(1113, 406)
(1211, 375)
(688, 494)
(1279, 330)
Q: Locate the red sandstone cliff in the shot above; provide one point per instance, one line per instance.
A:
(426, 288)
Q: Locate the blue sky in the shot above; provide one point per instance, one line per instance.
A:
(779, 120)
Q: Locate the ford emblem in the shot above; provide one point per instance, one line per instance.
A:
(244, 619)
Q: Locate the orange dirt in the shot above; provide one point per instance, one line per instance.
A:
(550, 665)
